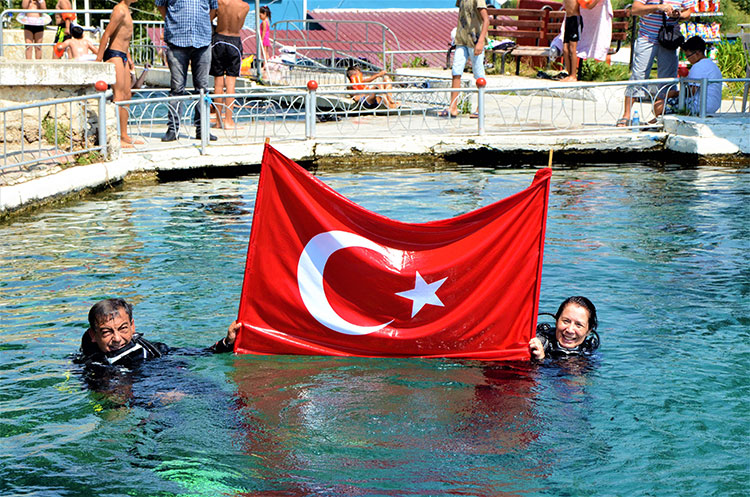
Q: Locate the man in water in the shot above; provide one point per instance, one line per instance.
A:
(112, 339)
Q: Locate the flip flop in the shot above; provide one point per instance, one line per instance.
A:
(473, 115)
(445, 113)
(622, 122)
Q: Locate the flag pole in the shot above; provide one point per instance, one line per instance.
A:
(268, 140)
(549, 162)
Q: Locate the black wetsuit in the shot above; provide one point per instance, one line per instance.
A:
(138, 350)
(546, 334)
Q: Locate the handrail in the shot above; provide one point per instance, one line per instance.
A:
(8, 13)
(385, 31)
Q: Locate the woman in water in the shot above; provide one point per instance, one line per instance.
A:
(574, 332)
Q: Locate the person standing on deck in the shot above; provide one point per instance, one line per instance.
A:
(226, 55)
(646, 48)
(115, 48)
(187, 27)
(471, 33)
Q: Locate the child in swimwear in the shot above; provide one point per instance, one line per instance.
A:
(114, 48)
(33, 35)
(372, 100)
(78, 47)
(64, 21)
(573, 27)
(264, 13)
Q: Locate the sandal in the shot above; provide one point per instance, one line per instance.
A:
(445, 113)
(623, 122)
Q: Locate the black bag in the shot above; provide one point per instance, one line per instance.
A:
(670, 36)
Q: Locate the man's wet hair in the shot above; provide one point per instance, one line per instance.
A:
(76, 32)
(586, 304)
(103, 311)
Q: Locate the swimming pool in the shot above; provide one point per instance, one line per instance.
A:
(661, 249)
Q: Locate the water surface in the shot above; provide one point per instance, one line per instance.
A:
(662, 410)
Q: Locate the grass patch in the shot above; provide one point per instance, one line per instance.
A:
(58, 136)
(594, 70)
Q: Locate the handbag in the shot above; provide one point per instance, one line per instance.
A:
(670, 36)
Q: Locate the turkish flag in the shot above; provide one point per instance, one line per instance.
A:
(326, 277)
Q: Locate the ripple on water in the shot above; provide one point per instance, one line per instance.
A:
(661, 250)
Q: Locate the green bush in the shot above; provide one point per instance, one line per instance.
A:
(732, 60)
(593, 70)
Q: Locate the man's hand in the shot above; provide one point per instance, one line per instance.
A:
(232, 332)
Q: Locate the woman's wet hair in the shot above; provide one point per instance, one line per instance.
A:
(103, 311)
(586, 304)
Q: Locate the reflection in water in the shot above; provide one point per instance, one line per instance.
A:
(359, 426)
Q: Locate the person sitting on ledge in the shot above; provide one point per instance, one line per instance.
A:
(78, 47)
(702, 67)
(574, 332)
(372, 100)
(112, 340)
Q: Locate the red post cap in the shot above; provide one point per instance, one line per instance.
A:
(481, 82)
(312, 85)
(101, 85)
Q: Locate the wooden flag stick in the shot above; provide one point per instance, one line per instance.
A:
(549, 163)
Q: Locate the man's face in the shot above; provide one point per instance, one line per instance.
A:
(115, 333)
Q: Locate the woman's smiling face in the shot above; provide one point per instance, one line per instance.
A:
(572, 326)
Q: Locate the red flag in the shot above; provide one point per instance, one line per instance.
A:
(326, 277)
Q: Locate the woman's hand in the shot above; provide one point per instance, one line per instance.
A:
(536, 349)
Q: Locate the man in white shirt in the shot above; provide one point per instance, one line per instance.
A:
(702, 68)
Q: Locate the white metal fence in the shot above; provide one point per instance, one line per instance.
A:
(331, 111)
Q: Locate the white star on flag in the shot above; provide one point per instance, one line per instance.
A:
(423, 293)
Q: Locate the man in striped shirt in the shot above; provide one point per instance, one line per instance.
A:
(187, 26)
(647, 48)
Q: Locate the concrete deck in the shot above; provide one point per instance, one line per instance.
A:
(724, 135)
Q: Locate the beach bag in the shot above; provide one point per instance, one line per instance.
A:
(670, 36)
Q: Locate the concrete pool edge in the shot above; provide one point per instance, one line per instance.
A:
(79, 179)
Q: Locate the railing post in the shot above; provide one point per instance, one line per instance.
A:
(481, 84)
(681, 98)
(204, 109)
(704, 97)
(102, 87)
(310, 109)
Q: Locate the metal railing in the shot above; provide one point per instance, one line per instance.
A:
(407, 108)
(55, 133)
(371, 41)
(6, 15)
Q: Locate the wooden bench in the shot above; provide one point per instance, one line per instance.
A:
(534, 29)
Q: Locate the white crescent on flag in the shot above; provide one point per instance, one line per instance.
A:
(310, 268)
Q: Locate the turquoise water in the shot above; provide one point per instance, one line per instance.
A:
(662, 410)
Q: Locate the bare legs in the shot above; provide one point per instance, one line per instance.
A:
(570, 60)
(122, 93)
(32, 44)
(224, 110)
